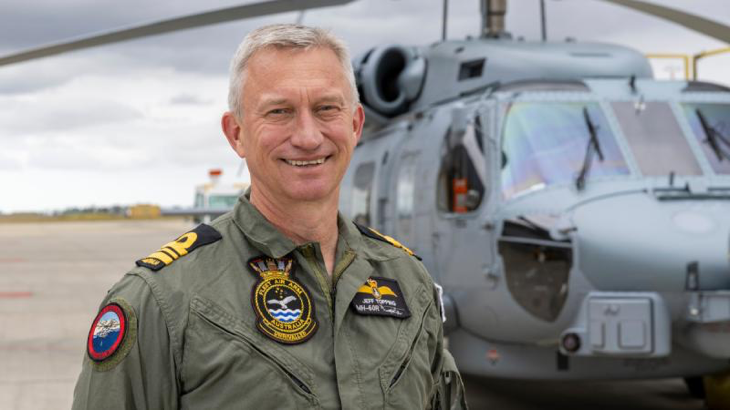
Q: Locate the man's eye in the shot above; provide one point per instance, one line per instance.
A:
(328, 108)
(278, 111)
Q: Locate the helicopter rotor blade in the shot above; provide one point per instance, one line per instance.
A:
(693, 22)
(170, 25)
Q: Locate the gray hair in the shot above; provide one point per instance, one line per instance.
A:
(284, 36)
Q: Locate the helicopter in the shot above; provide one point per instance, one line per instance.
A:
(575, 210)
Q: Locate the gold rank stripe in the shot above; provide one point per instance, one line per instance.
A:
(392, 241)
(172, 251)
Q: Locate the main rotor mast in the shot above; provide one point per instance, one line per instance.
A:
(493, 18)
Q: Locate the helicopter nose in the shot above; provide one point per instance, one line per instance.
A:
(639, 243)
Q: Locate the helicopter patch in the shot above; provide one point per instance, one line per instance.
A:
(170, 252)
(372, 233)
(284, 310)
(112, 335)
(381, 297)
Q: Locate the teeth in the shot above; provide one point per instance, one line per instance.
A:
(303, 163)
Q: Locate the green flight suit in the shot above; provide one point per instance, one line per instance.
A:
(192, 340)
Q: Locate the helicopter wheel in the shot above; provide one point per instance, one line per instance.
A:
(717, 391)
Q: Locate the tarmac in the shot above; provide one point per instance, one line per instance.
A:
(53, 276)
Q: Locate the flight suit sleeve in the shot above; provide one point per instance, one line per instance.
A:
(140, 372)
(450, 394)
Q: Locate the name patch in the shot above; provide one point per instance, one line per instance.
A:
(381, 297)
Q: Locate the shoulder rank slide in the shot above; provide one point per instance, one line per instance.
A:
(202, 235)
(381, 297)
(284, 310)
(372, 233)
(112, 334)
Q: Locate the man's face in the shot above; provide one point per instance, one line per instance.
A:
(299, 127)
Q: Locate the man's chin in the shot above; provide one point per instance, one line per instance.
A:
(311, 193)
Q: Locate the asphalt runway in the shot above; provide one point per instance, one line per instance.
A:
(53, 276)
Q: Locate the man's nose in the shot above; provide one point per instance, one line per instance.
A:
(307, 134)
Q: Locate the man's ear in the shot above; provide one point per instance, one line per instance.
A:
(358, 121)
(232, 130)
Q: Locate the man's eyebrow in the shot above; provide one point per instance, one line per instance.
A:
(268, 102)
(330, 99)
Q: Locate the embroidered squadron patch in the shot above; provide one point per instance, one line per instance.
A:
(381, 297)
(283, 307)
(202, 235)
(112, 334)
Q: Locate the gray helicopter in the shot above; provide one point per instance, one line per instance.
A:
(575, 210)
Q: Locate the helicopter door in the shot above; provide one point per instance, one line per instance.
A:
(463, 246)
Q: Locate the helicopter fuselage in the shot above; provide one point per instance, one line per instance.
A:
(580, 228)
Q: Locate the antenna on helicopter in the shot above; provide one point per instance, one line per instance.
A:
(543, 20)
(493, 14)
(444, 17)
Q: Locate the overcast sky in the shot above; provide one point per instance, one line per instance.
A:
(138, 122)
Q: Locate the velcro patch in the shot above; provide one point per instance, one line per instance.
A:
(202, 235)
(381, 297)
(112, 334)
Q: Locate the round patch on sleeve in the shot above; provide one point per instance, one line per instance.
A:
(111, 335)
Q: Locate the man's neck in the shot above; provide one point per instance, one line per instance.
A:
(303, 221)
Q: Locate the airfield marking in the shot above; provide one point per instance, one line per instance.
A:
(15, 295)
(12, 260)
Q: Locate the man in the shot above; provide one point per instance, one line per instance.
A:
(281, 303)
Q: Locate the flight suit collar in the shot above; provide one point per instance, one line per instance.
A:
(269, 240)
(260, 232)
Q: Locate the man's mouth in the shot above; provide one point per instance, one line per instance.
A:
(298, 163)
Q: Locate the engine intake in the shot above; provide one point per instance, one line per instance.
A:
(389, 78)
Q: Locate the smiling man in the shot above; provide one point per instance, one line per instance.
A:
(281, 303)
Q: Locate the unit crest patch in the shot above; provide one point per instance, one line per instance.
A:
(202, 235)
(372, 233)
(284, 310)
(381, 297)
(112, 335)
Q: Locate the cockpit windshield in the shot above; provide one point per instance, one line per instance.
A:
(714, 135)
(655, 138)
(547, 143)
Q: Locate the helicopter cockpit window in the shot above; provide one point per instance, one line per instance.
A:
(546, 143)
(405, 194)
(655, 138)
(462, 176)
(710, 124)
(362, 187)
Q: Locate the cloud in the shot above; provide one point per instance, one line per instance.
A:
(139, 121)
(10, 161)
(33, 116)
(188, 99)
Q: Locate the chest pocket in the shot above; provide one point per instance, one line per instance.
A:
(406, 374)
(394, 356)
(225, 366)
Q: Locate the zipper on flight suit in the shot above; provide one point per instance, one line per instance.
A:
(311, 257)
(330, 291)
